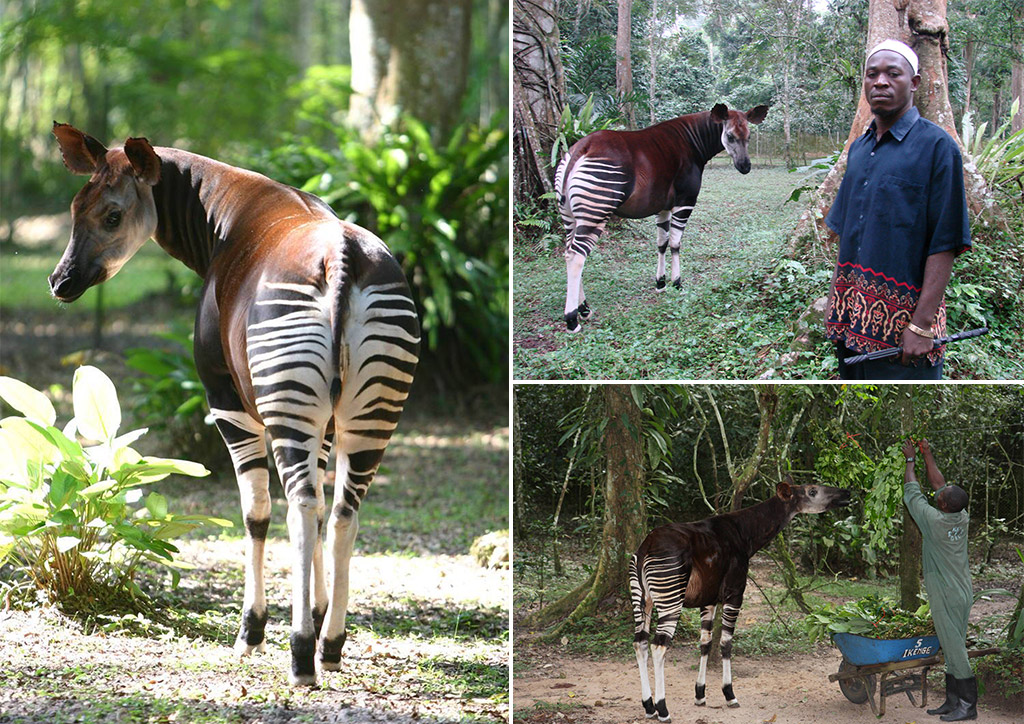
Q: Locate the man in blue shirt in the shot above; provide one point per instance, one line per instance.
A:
(901, 217)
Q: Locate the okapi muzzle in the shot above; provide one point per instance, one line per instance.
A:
(701, 565)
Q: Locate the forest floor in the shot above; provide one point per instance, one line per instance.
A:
(428, 627)
(779, 676)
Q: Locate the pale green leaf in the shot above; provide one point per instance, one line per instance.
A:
(27, 443)
(172, 465)
(156, 504)
(97, 411)
(67, 542)
(27, 400)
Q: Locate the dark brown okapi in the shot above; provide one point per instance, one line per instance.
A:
(305, 332)
(636, 174)
(702, 564)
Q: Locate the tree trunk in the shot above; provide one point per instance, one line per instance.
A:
(1017, 76)
(921, 24)
(409, 56)
(625, 520)
(538, 95)
(623, 64)
(518, 472)
(910, 541)
(653, 51)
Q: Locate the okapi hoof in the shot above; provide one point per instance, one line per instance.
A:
(571, 322)
(243, 649)
(330, 653)
(733, 704)
(303, 671)
(662, 710)
(649, 709)
(659, 284)
(585, 311)
(677, 284)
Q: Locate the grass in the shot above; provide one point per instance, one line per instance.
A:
(735, 315)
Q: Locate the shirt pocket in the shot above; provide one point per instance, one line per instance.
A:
(904, 199)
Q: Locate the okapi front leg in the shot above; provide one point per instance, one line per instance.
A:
(243, 436)
(680, 215)
(707, 623)
(574, 262)
(729, 616)
(662, 225)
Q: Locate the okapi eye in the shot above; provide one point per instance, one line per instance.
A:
(113, 219)
(812, 492)
(730, 137)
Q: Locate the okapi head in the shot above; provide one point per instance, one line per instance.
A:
(736, 132)
(810, 498)
(112, 216)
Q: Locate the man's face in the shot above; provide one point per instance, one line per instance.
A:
(889, 83)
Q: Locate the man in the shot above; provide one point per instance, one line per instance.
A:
(947, 577)
(901, 217)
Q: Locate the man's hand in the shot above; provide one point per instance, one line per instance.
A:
(908, 448)
(914, 346)
(924, 447)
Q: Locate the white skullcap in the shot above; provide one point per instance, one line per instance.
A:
(898, 48)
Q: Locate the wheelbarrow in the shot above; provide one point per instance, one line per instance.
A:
(888, 666)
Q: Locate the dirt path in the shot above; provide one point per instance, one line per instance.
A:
(775, 690)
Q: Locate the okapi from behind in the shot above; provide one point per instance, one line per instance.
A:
(636, 174)
(306, 332)
(702, 564)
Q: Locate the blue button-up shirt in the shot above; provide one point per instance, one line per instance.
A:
(901, 200)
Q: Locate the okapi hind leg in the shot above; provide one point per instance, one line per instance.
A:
(662, 225)
(244, 437)
(642, 607)
(707, 622)
(574, 262)
(680, 215)
(729, 615)
(319, 584)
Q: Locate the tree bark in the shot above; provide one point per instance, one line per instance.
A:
(910, 541)
(921, 24)
(518, 472)
(625, 520)
(409, 56)
(1017, 76)
(623, 64)
(538, 95)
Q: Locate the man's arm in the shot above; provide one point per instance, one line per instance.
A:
(935, 478)
(913, 498)
(937, 271)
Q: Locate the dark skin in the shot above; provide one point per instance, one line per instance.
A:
(889, 85)
(934, 476)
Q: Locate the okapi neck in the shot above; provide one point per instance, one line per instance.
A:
(762, 522)
(703, 134)
(186, 229)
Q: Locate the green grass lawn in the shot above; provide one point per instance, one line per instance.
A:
(734, 317)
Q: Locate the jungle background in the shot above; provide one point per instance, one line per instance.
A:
(597, 467)
(396, 113)
(756, 256)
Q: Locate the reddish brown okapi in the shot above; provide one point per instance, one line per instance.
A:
(702, 564)
(636, 174)
(306, 332)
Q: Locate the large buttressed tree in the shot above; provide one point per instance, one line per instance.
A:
(538, 94)
(922, 25)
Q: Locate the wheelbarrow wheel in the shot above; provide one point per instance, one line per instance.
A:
(855, 689)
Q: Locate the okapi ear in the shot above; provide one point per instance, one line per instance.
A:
(720, 113)
(81, 152)
(785, 489)
(143, 159)
(757, 114)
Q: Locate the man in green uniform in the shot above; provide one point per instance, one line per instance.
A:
(947, 576)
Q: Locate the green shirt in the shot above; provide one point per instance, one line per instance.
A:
(944, 552)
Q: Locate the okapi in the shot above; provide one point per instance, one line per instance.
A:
(305, 331)
(636, 174)
(702, 564)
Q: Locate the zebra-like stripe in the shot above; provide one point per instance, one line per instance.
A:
(593, 190)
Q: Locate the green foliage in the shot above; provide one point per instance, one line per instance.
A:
(74, 518)
(442, 209)
(873, 616)
(168, 396)
(572, 127)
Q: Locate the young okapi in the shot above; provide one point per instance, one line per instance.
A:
(698, 565)
(636, 174)
(305, 331)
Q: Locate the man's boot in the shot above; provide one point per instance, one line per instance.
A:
(967, 707)
(951, 698)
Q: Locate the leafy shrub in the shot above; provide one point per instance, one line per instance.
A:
(874, 616)
(74, 519)
(443, 211)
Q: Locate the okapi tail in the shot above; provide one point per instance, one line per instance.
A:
(341, 269)
(637, 595)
